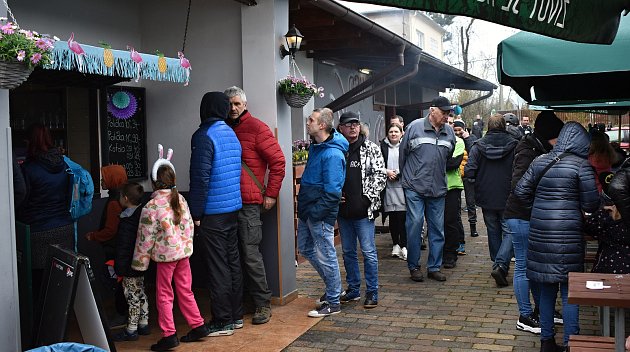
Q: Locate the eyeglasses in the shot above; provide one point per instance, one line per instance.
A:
(351, 124)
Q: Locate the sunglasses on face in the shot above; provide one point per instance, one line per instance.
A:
(351, 124)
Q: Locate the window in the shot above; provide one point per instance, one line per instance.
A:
(420, 41)
(433, 46)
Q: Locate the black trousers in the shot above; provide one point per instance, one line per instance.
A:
(219, 242)
(397, 227)
(471, 208)
(453, 228)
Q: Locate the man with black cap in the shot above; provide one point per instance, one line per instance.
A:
(429, 142)
(360, 203)
(517, 214)
(214, 201)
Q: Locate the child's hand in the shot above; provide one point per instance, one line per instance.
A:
(612, 210)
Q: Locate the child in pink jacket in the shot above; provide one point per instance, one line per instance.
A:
(165, 235)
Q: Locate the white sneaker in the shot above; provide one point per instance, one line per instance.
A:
(396, 251)
(403, 253)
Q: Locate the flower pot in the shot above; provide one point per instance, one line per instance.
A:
(13, 73)
(295, 100)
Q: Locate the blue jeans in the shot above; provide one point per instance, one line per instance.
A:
(570, 312)
(317, 244)
(416, 208)
(499, 241)
(519, 231)
(363, 230)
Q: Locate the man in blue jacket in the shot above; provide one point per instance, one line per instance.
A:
(318, 205)
(214, 202)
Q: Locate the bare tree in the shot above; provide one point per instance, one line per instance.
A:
(465, 42)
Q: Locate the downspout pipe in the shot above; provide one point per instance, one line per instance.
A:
(483, 97)
(371, 92)
(366, 25)
(375, 78)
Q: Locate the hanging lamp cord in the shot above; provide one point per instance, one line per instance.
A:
(185, 28)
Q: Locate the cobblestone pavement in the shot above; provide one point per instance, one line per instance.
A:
(468, 312)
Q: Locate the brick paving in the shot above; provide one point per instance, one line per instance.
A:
(465, 313)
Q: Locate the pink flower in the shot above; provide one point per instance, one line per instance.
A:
(21, 54)
(35, 58)
(7, 28)
(42, 44)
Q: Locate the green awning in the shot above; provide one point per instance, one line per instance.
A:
(561, 71)
(596, 107)
(586, 21)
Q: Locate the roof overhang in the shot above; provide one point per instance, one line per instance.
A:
(335, 34)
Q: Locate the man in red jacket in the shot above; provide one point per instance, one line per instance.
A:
(261, 151)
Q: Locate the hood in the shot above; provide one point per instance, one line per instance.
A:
(386, 141)
(114, 176)
(335, 140)
(532, 141)
(573, 139)
(52, 160)
(496, 144)
(215, 105)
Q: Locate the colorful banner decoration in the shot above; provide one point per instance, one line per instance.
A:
(120, 63)
(586, 21)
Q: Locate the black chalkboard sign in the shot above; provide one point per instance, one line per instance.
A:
(123, 129)
(69, 285)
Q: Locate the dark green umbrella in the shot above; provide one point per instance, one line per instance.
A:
(567, 73)
(586, 21)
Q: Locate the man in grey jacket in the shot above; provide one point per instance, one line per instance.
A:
(429, 142)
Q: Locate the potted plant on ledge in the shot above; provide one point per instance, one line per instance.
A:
(20, 52)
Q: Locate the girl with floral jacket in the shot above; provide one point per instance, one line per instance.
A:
(165, 235)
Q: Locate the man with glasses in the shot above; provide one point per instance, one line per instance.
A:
(429, 142)
(360, 203)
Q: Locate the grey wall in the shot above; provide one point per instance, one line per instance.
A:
(214, 50)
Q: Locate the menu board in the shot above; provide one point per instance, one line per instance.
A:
(123, 138)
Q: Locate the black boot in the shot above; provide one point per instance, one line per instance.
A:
(550, 346)
(473, 230)
(166, 343)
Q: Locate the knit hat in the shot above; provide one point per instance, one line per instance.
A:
(459, 123)
(114, 176)
(547, 125)
(161, 161)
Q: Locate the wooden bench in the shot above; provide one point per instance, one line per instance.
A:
(586, 343)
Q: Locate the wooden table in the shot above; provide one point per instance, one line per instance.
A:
(617, 296)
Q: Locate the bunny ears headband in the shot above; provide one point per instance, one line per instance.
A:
(161, 161)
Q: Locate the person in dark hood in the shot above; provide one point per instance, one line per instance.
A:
(46, 205)
(558, 197)
(214, 201)
(517, 215)
(490, 168)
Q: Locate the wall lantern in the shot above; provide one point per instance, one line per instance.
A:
(365, 71)
(293, 39)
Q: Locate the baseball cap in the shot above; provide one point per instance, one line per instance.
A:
(348, 117)
(442, 103)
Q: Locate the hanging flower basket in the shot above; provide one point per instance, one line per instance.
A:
(296, 100)
(12, 74)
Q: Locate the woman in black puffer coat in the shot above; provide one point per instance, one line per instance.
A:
(556, 246)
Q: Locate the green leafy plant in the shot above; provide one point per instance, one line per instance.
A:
(299, 86)
(28, 47)
(300, 151)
